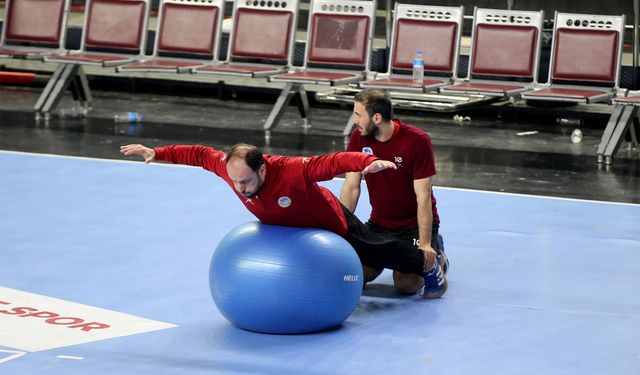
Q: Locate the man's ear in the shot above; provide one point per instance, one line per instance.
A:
(377, 118)
(262, 171)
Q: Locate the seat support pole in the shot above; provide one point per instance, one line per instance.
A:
(619, 123)
(65, 76)
(287, 93)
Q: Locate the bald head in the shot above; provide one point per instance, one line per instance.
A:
(250, 154)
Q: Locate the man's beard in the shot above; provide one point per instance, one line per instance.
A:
(369, 131)
(255, 193)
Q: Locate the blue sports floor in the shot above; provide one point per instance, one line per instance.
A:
(104, 270)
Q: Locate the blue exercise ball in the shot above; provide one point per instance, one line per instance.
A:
(285, 280)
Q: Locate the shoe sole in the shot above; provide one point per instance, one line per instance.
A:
(440, 294)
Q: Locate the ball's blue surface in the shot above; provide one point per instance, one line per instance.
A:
(285, 280)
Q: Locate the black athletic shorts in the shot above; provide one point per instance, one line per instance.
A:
(410, 235)
(379, 250)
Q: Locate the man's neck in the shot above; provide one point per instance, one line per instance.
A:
(385, 131)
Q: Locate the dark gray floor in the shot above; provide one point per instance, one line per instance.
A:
(486, 153)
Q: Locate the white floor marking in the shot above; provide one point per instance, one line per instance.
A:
(70, 357)
(14, 354)
(34, 322)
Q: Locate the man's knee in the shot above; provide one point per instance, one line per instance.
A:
(407, 283)
(370, 274)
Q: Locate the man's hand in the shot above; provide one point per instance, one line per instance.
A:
(429, 256)
(147, 153)
(379, 165)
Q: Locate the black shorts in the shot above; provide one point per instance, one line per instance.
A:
(410, 235)
(380, 250)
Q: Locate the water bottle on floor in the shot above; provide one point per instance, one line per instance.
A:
(72, 112)
(576, 136)
(418, 68)
(132, 117)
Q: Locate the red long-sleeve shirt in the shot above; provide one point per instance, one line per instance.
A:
(290, 195)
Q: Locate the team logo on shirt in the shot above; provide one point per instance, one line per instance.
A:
(367, 150)
(284, 202)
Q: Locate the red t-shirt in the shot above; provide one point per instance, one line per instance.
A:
(391, 193)
(290, 195)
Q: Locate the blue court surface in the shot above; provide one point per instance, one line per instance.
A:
(105, 271)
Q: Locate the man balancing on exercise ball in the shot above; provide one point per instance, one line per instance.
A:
(281, 190)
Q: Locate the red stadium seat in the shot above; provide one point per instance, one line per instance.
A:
(435, 30)
(33, 28)
(505, 50)
(338, 51)
(261, 41)
(114, 33)
(187, 36)
(585, 59)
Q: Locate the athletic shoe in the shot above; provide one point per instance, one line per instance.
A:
(435, 282)
(441, 255)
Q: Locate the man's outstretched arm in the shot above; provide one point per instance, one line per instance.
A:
(194, 155)
(147, 153)
(326, 167)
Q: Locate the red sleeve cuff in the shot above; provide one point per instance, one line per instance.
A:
(161, 153)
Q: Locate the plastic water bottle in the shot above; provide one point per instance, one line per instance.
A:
(576, 136)
(418, 68)
(128, 117)
(569, 121)
(72, 112)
